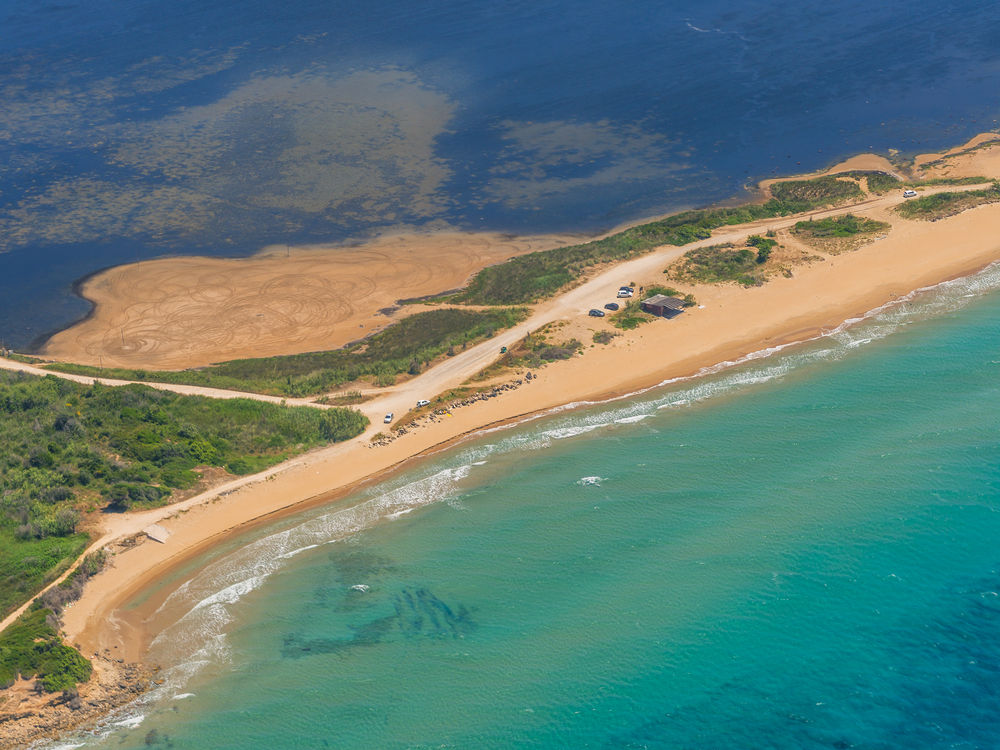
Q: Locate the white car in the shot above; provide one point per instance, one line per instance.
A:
(388, 418)
(624, 293)
(909, 193)
(423, 402)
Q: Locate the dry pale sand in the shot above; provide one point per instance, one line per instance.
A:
(733, 322)
(174, 313)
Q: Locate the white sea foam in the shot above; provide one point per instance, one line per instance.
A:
(130, 722)
(633, 419)
(182, 696)
(591, 481)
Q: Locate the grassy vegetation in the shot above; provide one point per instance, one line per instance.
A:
(941, 205)
(406, 346)
(71, 448)
(848, 225)
(29, 564)
(879, 183)
(819, 191)
(535, 276)
(717, 264)
(31, 647)
(344, 399)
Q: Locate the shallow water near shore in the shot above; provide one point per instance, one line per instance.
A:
(798, 551)
(135, 129)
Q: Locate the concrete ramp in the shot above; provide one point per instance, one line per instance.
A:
(157, 533)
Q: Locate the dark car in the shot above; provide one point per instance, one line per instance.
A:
(596, 313)
(611, 306)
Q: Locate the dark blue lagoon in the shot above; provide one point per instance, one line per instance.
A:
(138, 129)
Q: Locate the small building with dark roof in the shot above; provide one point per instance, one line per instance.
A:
(663, 306)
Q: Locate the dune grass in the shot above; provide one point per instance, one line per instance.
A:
(847, 225)
(406, 346)
(942, 205)
(529, 278)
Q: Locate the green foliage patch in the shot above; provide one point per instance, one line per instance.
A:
(27, 565)
(942, 205)
(405, 346)
(31, 647)
(847, 225)
(529, 278)
(718, 264)
(820, 191)
(879, 183)
(70, 448)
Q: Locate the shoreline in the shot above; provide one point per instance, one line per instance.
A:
(129, 635)
(734, 325)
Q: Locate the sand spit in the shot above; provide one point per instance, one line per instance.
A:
(731, 322)
(175, 313)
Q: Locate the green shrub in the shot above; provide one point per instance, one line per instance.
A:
(531, 277)
(400, 348)
(30, 647)
(719, 263)
(847, 225)
(121, 448)
(942, 205)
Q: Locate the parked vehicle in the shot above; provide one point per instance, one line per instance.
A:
(595, 313)
(622, 293)
(909, 193)
(388, 418)
(611, 306)
(423, 402)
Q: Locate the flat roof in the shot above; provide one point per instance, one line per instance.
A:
(662, 300)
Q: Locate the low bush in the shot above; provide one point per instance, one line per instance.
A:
(402, 347)
(942, 205)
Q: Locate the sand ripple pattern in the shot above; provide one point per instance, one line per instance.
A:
(188, 312)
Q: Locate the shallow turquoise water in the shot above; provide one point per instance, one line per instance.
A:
(798, 552)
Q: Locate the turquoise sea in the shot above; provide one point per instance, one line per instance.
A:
(797, 551)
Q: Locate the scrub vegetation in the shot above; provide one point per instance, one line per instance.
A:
(535, 350)
(31, 647)
(942, 205)
(529, 278)
(878, 183)
(70, 449)
(720, 264)
(848, 225)
(404, 347)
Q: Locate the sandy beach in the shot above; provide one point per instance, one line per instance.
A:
(730, 322)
